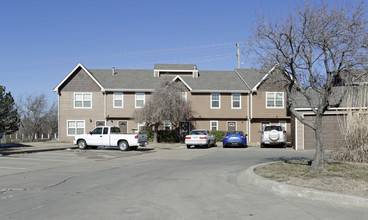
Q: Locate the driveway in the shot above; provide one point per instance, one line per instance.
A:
(159, 184)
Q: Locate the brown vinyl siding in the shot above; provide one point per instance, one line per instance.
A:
(128, 105)
(89, 115)
(222, 124)
(80, 82)
(201, 103)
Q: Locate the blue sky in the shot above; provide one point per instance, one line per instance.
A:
(42, 40)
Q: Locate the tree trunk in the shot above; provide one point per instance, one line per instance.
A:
(155, 133)
(318, 161)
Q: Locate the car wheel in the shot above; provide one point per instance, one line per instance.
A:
(82, 144)
(209, 144)
(262, 146)
(188, 146)
(123, 145)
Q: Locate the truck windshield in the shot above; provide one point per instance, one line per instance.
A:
(115, 130)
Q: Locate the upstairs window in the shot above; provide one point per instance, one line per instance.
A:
(235, 101)
(118, 100)
(184, 96)
(82, 100)
(215, 101)
(275, 100)
(139, 100)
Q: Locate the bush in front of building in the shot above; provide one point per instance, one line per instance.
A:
(218, 135)
(163, 136)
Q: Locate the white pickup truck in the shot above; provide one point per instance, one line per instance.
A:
(110, 137)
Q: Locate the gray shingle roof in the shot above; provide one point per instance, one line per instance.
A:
(135, 80)
(252, 76)
(128, 79)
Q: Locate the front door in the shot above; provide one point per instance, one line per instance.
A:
(123, 125)
(231, 126)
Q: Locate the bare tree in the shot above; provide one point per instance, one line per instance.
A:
(37, 116)
(317, 46)
(165, 104)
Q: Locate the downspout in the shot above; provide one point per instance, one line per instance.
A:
(104, 94)
(248, 122)
(251, 114)
(58, 138)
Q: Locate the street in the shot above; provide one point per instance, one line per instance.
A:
(151, 184)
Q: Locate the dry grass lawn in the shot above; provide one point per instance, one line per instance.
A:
(347, 178)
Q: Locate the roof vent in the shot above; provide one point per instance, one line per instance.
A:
(113, 71)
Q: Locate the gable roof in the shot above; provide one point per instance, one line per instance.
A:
(142, 80)
(79, 65)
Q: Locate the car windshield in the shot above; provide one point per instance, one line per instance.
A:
(198, 132)
(270, 128)
(234, 133)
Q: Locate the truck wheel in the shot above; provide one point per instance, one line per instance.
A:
(82, 144)
(188, 146)
(123, 145)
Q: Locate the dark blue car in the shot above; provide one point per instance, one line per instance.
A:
(234, 138)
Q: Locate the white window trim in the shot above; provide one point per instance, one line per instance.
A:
(275, 107)
(218, 101)
(82, 100)
(284, 122)
(122, 100)
(141, 124)
(213, 126)
(232, 101)
(144, 99)
(184, 95)
(72, 135)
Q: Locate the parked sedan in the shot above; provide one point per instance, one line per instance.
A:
(234, 138)
(200, 138)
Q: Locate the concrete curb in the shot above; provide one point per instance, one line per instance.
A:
(297, 191)
(27, 151)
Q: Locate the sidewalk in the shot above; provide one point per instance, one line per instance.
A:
(31, 147)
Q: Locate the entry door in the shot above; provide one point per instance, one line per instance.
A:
(123, 125)
(231, 126)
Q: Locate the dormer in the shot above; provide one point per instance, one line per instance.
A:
(190, 70)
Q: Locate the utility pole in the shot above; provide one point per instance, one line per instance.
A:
(238, 54)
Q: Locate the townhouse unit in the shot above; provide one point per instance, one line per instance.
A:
(240, 99)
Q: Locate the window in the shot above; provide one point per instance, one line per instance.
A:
(100, 123)
(283, 125)
(142, 126)
(215, 101)
(184, 95)
(118, 100)
(275, 100)
(82, 100)
(214, 125)
(75, 128)
(236, 101)
(139, 100)
(167, 125)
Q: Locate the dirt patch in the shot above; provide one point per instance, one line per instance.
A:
(347, 178)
